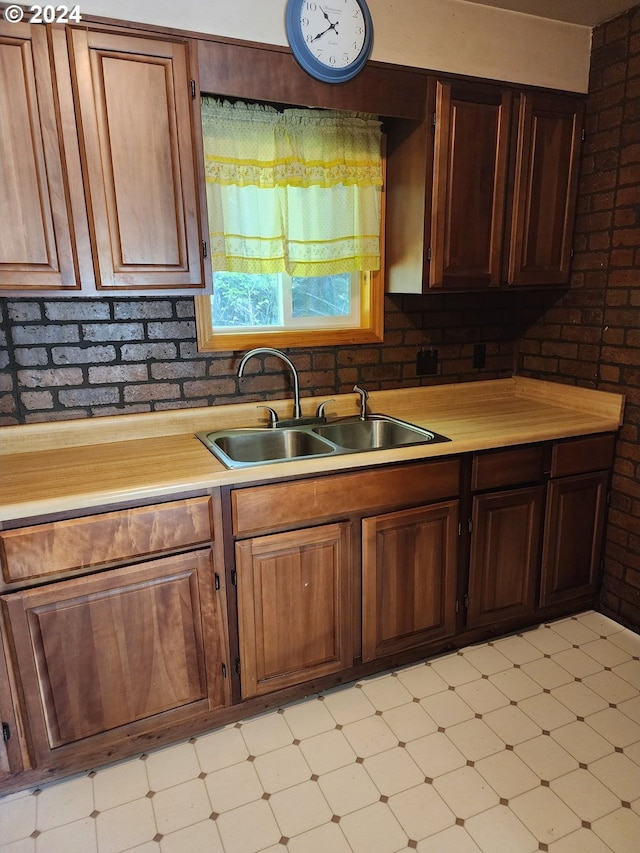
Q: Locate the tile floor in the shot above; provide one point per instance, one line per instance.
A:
(531, 742)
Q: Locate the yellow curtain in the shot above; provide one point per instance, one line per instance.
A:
(296, 191)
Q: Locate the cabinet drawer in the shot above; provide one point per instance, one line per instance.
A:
(507, 467)
(284, 504)
(63, 546)
(592, 453)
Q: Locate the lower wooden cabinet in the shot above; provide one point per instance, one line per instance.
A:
(575, 516)
(294, 607)
(408, 578)
(106, 655)
(505, 555)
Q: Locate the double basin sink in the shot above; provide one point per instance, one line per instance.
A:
(241, 448)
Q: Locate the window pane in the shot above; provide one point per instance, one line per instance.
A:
(321, 296)
(243, 299)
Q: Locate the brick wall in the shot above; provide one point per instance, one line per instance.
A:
(77, 358)
(591, 336)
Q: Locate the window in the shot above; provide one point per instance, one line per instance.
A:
(295, 207)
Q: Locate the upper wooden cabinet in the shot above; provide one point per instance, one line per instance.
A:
(100, 169)
(483, 193)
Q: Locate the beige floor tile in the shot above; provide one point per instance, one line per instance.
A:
(544, 814)
(633, 752)
(171, 766)
(300, 808)
(546, 640)
(455, 839)
(64, 802)
(119, 784)
(328, 838)
(547, 673)
(602, 625)
(585, 795)
(282, 768)
(386, 692)
(482, 696)
(308, 718)
(17, 818)
(466, 792)
(620, 830)
(631, 708)
(582, 841)
(421, 811)
(178, 807)
(373, 830)
(220, 749)
(348, 789)
(435, 755)
(233, 786)
(266, 733)
(327, 752)
(369, 736)
(512, 725)
(421, 680)
(517, 649)
(577, 663)
(498, 830)
(582, 742)
(447, 708)
(347, 705)
(605, 652)
(629, 671)
(579, 698)
(76, 837)
(126, 826)
(545, 757)
(627, 640)
(507, 774)
(515, 684)
(576, 632)
(409, 722)
(25, 845)
(249, 828)
(455, 669)
(619, 774)
(393, 771)
(615, 726)
(546, 711)
(475, 739)
(486, 659)
(198, 838)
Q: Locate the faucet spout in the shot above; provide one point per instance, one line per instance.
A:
(364, 396)
(297, 412)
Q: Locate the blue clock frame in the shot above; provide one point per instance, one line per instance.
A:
(309, 62)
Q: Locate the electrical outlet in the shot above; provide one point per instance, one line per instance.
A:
(427, 362)
(479, 356)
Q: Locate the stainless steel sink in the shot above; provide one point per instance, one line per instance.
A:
(240, 448)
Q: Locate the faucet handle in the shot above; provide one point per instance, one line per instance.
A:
(320, 410)
(273, 415)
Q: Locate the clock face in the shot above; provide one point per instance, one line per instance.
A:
(331, 39)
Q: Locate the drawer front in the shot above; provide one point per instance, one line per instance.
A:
(591, 453)
(511, 467)
(64, 546)
(278, 505)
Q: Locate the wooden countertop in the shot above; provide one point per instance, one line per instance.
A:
(84, 464)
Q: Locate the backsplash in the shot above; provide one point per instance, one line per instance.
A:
(79, 358)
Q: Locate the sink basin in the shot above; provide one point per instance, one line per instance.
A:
(376, 432)
(239, 447)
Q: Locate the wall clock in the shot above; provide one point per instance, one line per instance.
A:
(331, 40)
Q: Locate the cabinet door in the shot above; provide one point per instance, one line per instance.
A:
(408, 578)
(37, 248)
(574, 526)
(469, 184)
(134, 111)
(546, 182)
(122, 651)
(505, 555)
(294, 606)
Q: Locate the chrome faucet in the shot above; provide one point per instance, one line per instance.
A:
(364, 396)
(297, 412)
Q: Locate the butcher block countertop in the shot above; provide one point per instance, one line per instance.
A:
(89, 464)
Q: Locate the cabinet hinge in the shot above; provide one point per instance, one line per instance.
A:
(236, 665)
(204, 248)
(6, 732)
(433, 120)
(216, 580)
(223, 667)
(429, 253)
(470, 526)
(234, 577)
(465, 600)
(193, 90)
(583, 135)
